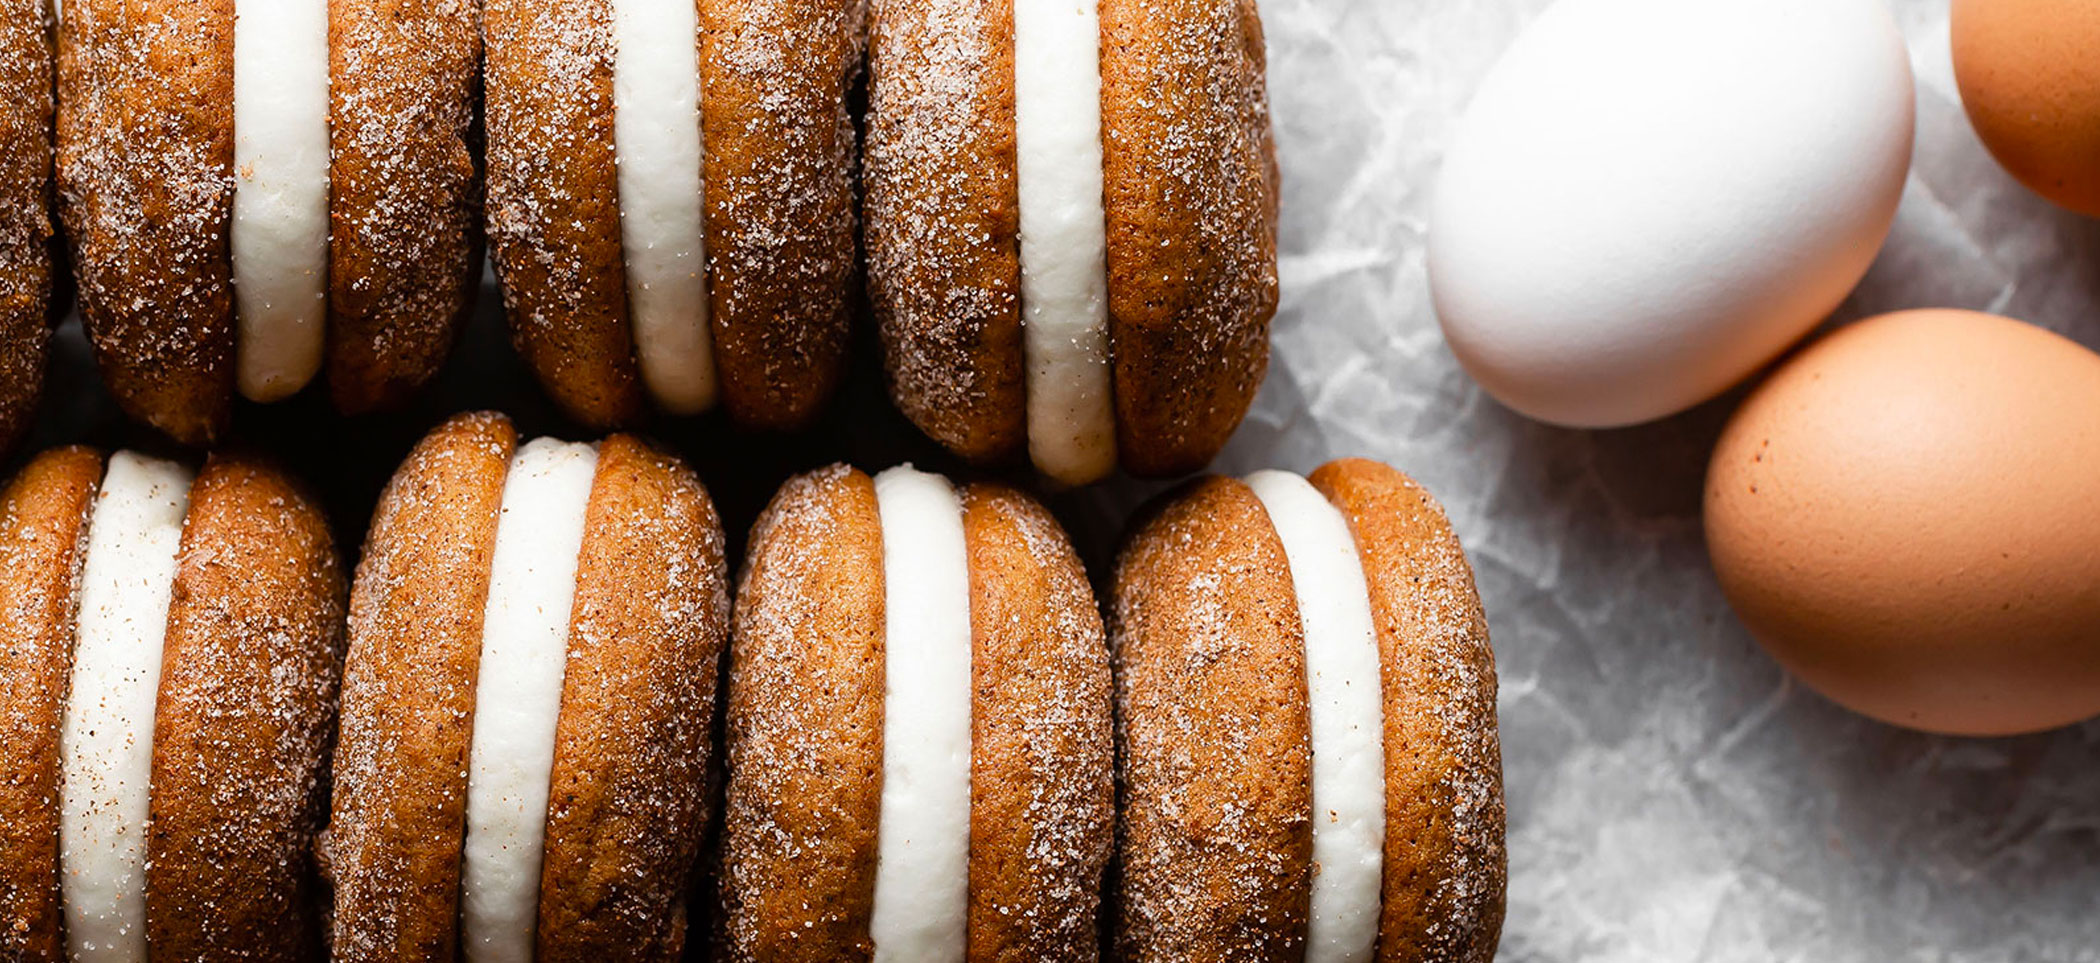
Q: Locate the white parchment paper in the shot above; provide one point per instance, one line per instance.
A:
(1672, 795)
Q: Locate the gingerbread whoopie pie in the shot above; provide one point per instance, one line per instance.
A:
(170, 646)
(671, 201)
(256, 189)
(528, 701)
(1071, 226)
(919, 732)
(1305, 706)
(26, 234)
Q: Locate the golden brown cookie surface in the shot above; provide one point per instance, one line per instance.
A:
(404, 255)
(145, 157)
(554, 210)
(26, 66)
(626, 806)
(1190, 183)
(400, 771)
(1042, 794)
(806, 726)
(779, 176)
(944, 219)
(1445, 865)
(43, 534)
(248, 684)
(1214, 735)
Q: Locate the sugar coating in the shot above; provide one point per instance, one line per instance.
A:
(524, 652)
(279, 234)
(922, 869)
(1064, 238)
(1347, 716)
(106, 743)
(657, 144)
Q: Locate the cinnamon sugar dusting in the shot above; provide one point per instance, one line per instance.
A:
(781, 227)
(1214, 735)
(405, 194)
(944, 218)
(805, 727)
(1446, 863)
(43, 535)
(242, 724)
(408, 696)
(1191, 181)
(25, 211)
(1042, 807)
(629, 784)
(553, 195)
(145, 179)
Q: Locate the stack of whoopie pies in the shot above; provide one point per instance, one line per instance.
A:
(497, 742)
(258, 189)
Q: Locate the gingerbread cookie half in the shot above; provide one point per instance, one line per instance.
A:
(919, 732)
(1306, 727)
(1072, 226)
(304, 195)
(527, 707)
(26, 234)
(671, 201)
(170, 645)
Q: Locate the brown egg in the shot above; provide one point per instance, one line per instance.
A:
(2029, 72)
(1907, 515)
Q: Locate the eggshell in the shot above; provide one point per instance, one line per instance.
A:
(1649, 199)
(1907, 515)
(2029, 72)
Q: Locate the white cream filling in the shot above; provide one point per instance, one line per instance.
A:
(280, 196)
(1064, 238)
(517, 695)
(106, 735)
(656, 143)
(1348, 715)
(922, 867)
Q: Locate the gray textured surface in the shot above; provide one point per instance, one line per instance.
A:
(1672, 795)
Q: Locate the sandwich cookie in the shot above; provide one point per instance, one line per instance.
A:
(170, 646)
(671, 201)
(26, 234)
(534, 638)
(307, 196)
(1072, 226)
(1306, 724)
(919, 734)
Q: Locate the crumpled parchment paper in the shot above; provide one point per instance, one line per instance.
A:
(1672, 795)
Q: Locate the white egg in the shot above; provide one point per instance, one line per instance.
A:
(1649, 199)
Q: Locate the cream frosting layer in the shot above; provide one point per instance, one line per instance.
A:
(1348, 716)
(517, 696)
(280, 197)
(127, 581)
(657, 145)
(922, 869)
(1064, 238)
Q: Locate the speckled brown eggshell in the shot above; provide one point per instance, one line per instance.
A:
(2031, 84)
(1907, 515)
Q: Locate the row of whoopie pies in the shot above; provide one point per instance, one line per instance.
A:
(1065, 217)
(499, 741)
